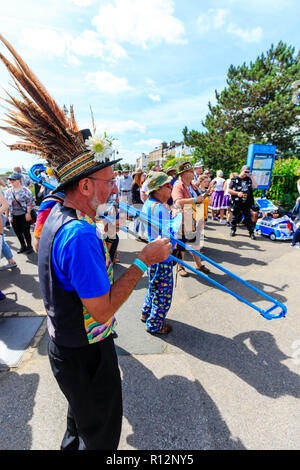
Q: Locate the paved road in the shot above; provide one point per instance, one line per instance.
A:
(224, 378)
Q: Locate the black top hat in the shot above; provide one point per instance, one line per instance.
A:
(81, 166)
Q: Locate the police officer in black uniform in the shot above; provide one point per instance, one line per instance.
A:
(240, 189)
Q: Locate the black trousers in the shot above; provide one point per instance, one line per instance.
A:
(114, 247)
(89, 377)
(239, 210)
(22, 229)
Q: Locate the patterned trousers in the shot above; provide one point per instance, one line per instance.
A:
(159, 296)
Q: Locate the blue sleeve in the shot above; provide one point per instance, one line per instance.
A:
(159, 211)
(79, 262)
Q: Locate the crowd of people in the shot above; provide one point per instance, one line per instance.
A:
(228, 200)
(191, 187)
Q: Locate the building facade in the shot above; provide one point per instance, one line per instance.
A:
(163, 152)
(142, 161)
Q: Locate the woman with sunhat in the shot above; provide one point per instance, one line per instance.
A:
(185, 196)
(159, 296)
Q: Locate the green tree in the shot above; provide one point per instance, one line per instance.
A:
(257, 106)
(283, 190)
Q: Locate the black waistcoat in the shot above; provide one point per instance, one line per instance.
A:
(64, 309)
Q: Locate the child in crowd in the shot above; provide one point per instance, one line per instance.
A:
(203, 183)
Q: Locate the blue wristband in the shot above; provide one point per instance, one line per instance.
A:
(143, 267)
(194, 199)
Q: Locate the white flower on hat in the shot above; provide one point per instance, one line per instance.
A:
(101, 147)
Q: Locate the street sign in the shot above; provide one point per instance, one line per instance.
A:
(261, 161)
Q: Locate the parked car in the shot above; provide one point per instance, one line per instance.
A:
(274, 227)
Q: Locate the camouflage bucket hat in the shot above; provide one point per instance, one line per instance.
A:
(157, 180)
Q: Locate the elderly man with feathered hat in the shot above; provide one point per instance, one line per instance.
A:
(75, 270)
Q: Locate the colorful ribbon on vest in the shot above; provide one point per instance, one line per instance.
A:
(97, 331)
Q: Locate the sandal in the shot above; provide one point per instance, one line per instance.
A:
(204, 269)
(144, 318)
(164, 329)
(182, 272)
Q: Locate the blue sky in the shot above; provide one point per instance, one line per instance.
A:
(146, 67)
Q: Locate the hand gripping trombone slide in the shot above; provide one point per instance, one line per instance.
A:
(35, 175)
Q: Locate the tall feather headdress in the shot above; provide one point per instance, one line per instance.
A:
(45, 130)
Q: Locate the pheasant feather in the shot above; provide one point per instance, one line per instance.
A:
(37, 119)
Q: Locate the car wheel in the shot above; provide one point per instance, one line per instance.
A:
(272, 236)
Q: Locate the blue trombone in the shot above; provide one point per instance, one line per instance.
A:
(35, 173)
(170, 232)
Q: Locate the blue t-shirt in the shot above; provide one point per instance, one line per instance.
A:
(78, 260)
(157, 211)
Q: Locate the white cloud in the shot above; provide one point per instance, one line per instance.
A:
(46, 40)
(115, 51)
(216, 19)
(140, 22)
(252, 35)
(106, 82)
(213, 19)
(60, 44)
(154, 97)
(149, 142)
(88, 44)
(73, 60)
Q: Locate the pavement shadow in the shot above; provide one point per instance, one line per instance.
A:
(231, 257)
(254, 297)
(26, 282)
(260, 367)
(17, 402)
(236, 244)
(222, 279)
(242, 290)
(164, 414)
(11, 304)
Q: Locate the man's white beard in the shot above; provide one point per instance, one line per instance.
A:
(103, 208)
